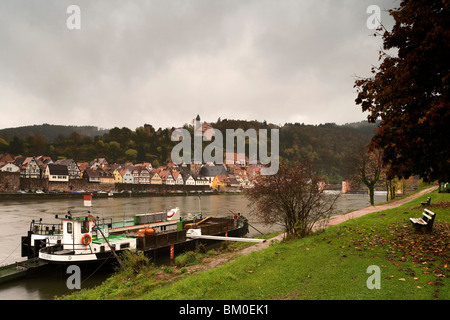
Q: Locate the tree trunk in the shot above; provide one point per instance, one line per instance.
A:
(371, 195)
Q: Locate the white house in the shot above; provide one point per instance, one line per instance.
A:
(188, 179)
(10, 167)
(141, 175)
(178, 178)
(32, 169)
(127, 176)
(167, 177)
(72, 166)
(56, 172)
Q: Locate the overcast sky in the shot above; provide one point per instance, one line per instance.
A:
(163, 62)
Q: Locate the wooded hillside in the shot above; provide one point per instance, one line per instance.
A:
(329, 145)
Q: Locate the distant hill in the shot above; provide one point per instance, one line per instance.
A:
(329, 146)
(50, 131)
(363, 127)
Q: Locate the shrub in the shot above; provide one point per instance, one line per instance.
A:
(186, 259)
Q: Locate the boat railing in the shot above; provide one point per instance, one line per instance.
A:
(72, 248)
(219, 226)
(46, 228)
(104, 223)
(161, 239)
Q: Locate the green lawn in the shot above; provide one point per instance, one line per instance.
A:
(329, 265)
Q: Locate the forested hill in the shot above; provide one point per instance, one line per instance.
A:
(329, 146)
(50, 132)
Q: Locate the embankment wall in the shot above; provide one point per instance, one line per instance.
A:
(82, 184)
(9, 182)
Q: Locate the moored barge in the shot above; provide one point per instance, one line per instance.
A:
(88, 239)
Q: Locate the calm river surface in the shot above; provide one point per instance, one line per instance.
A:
(16, 215)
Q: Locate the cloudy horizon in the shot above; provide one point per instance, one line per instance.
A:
(163, 62)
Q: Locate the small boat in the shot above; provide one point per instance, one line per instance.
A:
(87, 239)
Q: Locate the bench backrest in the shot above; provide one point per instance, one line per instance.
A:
(430, 215)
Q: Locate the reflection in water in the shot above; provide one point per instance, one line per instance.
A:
(15, 218)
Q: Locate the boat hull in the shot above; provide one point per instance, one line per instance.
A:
(168, 250)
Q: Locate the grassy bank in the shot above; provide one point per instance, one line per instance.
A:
(328, 265)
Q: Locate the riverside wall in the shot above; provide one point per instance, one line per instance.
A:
(9, 182)
(12, 182)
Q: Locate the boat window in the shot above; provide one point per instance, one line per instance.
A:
(85, 227)
(124, 245)
(69, 227)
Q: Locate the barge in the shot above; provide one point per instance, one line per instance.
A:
(89, 239)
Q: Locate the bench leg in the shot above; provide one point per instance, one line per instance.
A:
(420, 228)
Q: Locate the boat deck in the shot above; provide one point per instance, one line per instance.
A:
(19, 269)
(208, 226)
(110, 238)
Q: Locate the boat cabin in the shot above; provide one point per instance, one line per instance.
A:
(77, 232)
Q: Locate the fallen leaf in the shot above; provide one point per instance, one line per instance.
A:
(402, 279)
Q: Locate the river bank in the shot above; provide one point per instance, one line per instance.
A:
(328, 265)
(104, 195)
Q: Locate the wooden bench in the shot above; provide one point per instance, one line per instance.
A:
(425, 223)
(427, 203)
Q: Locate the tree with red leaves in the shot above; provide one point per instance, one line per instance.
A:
(410, 92)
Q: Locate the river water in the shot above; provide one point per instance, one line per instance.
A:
(16, 215)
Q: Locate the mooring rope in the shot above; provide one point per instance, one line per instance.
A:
(11, 253)
(97, 268)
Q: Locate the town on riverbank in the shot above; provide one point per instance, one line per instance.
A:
(40, 174)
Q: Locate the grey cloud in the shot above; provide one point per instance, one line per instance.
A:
(162, 62)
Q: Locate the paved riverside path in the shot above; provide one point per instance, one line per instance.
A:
(392, 204)
(222, 259)
(344, 217)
